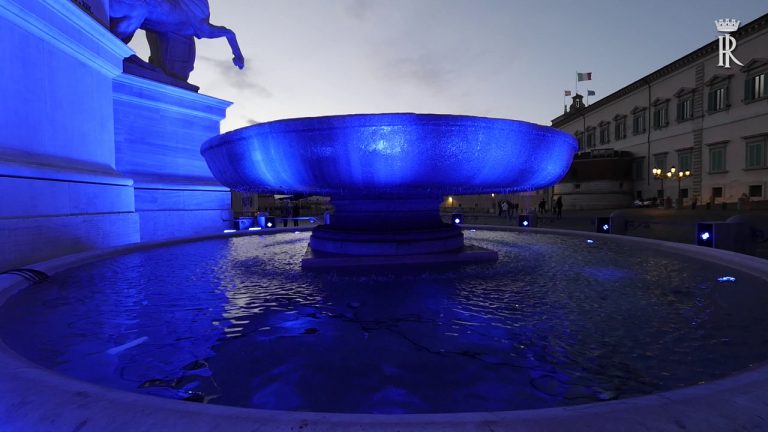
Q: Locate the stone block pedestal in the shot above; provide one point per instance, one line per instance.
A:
(59, 190)
(158, 132)
(91, 157)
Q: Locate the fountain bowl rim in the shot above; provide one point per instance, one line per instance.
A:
(383, 152)
(302, 123)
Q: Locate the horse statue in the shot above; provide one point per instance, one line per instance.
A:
(171, 26)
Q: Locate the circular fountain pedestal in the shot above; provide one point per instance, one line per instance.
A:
(389, 231)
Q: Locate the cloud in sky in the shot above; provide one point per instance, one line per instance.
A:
(358, 9)
(498, 58)
(423, 70)
(245, 80)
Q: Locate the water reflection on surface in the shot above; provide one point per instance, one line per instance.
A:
(557, 321)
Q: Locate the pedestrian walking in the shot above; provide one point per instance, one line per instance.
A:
(296, 210)
(285, 212)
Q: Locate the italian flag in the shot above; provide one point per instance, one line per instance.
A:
(583, 76)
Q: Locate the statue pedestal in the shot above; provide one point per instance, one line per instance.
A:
(92, 157)
(158, 132)
(133, 65)
(59, 190)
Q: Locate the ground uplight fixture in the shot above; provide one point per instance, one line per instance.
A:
(705, 234)
(269, 222)
(732, 235)
(524, 221)
(261, 220)
(603, 224)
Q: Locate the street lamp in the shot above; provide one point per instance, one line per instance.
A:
(657, 174)
(673, 173)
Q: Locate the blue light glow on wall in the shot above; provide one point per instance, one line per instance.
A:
(413, 154)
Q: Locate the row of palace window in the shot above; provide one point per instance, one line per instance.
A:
(754, 191)
(756, 158)
(717, 101)
(755, 155)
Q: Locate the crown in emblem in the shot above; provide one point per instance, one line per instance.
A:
(727, 25)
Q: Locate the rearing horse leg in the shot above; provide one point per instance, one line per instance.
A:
(125, 27)
(210, 31)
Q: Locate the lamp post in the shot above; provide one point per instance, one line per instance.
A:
(657, 174)
(673, 173)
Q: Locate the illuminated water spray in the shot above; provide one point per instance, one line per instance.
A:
(386, 174)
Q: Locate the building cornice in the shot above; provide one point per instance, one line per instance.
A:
(64, 26)
(145, 92)
(754, 26)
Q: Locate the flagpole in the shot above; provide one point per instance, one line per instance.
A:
(577, 82)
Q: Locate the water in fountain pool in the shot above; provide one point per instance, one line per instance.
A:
(556, 321)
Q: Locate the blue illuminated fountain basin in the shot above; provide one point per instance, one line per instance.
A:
(390, 154)
(386, 174)
(35, 398)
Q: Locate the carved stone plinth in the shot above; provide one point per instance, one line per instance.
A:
(158, 132)
(59, 190)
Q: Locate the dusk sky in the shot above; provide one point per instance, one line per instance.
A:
(496, 58)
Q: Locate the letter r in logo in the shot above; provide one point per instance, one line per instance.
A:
(726, 46)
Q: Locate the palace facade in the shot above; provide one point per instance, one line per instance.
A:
(692, 114)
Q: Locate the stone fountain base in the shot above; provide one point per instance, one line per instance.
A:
(468, 254)
(332, 239)
(389, 231)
